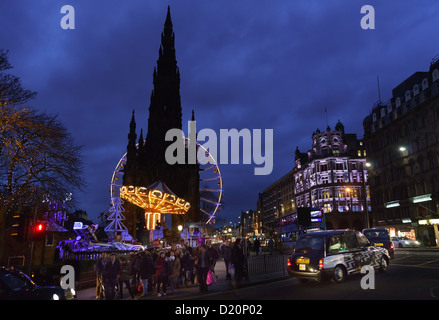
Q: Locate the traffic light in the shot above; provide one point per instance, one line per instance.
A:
(39, 231)
(304, 216)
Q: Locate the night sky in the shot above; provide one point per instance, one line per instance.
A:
(253, 64)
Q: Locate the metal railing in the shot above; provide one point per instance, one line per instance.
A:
(266, 263)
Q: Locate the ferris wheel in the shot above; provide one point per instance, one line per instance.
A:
(211, 183)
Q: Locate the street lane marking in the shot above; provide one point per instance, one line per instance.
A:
(421, 264)
(414, 266)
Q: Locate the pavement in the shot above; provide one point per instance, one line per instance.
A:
(221, 285)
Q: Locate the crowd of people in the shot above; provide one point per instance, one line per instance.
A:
(161, 272)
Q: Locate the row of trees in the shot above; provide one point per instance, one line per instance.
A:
(38, 157)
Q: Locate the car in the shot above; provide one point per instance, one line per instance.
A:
(16, 285)
(379, 237)
(334, 254)
(403, 242)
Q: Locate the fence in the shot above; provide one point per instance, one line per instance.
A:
(266, 263)
(87, 280)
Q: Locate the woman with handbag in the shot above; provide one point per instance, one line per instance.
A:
(203, 267)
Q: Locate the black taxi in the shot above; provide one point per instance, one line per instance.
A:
(334, 254)
(16, 285)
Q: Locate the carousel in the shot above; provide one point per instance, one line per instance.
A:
(157, 200)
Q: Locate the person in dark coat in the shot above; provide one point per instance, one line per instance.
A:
(257, 245)
(226, 251)
(203, 266)
(187, 263)
(111, 276)
(214, 256)
(238, 260)
(125, 276)
(146, 272)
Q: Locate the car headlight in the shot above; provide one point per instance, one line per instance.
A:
(55, 297)
(406, 242)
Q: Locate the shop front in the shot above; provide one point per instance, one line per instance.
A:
(405, 229)
(428, 232)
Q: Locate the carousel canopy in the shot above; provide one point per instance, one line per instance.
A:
(156, 198)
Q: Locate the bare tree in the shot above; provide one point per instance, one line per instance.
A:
(38, 157)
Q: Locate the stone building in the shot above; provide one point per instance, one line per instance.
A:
(275, 201)
(402, 139)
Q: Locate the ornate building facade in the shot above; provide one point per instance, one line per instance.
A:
(332, 176)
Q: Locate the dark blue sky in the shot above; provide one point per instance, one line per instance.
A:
(243, 64)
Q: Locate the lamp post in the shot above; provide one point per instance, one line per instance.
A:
(366, 209)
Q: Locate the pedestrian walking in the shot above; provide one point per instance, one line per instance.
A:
(125, 277)
(214, 256)
(174, 270)
(187, 263)
(147, 270)
(203, 267)
(257, 245)
(248, 246)
(161, 267)
(270, 245)
(135, 268)
(238, 260)
(110, 275)
(226, 251)
(99, 269)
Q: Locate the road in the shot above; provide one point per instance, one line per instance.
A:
(412, 275)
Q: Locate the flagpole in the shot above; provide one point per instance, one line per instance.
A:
(326, 113)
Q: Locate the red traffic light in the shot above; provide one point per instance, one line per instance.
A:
(39, 231)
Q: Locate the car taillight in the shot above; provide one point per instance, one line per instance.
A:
(321, 264)
(288, 262)
(392, 246)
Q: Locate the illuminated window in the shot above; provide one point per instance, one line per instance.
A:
(354, 193)
(359, 153)
(326, 194)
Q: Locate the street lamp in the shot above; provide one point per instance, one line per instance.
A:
(366, 208)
